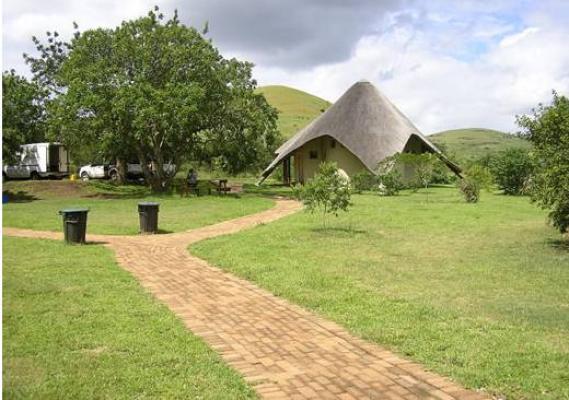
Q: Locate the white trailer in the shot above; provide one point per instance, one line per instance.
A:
(39, 160)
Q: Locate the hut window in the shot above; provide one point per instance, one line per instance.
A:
(313, 154)
(333, 144)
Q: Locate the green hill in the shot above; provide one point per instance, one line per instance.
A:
(296, 108)
(473, 143)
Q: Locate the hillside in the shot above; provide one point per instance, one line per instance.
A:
(473, 143)
(296, 108)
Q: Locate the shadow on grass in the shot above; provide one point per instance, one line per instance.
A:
(20, 196)
(90, 243)
(110, 190)
(269, 190)
(160, 232)
(338, 230)
(559, 244)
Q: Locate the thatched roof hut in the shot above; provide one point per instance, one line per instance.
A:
(361, 129)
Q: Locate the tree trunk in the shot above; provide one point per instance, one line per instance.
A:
(159, 182)
(149, 176)
(121, 168)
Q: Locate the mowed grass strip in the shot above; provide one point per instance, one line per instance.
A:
(477, 292)
(119, 216)
(77, 326)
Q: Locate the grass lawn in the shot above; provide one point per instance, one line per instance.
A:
(478, 292)
(77, 326)
(114, 210)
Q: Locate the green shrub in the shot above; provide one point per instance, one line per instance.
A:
(388, 178)
(442, 175)
(470, 189)
(481, 175)
(512, 169)
(389, 183)
(364, 180)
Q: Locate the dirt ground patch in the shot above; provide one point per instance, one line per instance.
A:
(44, 189)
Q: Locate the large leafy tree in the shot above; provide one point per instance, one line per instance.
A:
(160, 91)
(22, 114)
(548, 130)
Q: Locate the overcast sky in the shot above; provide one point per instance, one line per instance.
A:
(448, 64)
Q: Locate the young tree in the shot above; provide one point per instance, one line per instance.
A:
(421, 166)
(157, 89)
(328, 191)
(22, 114)
(548, 130)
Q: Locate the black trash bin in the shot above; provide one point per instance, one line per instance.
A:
(74, 224)
(148, 215)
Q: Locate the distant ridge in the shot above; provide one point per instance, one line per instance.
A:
(473, 143)
(296, 108)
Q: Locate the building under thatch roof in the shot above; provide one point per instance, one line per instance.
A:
(361, 129)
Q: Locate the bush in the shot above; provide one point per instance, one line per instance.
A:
(470, 189)
(388, 180)
(481, 175)
(389, 184)
(512, 169)
(364, 180)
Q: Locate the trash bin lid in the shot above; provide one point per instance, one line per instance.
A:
(148, 204)
(73, 210)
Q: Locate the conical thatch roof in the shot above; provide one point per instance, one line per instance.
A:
(365, 122)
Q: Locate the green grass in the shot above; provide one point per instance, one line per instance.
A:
(113, 210)
(474, 291)
(77, 326)
(474, 143)
(296, 108)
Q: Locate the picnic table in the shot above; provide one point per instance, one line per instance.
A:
(220, 186)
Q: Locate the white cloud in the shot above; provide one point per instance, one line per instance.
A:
(515, 38)
(439, 91)
(471, 64)
(22, 19)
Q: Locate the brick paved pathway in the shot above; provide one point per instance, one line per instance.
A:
(283, 350)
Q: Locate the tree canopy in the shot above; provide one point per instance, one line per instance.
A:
(548, 129)
(157, 90)
(22, 114)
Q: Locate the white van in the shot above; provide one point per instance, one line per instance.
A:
(39, 160)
